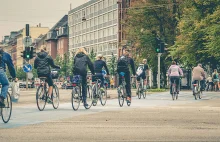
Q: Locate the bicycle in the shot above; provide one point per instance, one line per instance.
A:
(5, 112)
(42, 95)
(141, 90)
(97, 93)
(197, 92)
(122, 95)
(77, 94)
(174, 90)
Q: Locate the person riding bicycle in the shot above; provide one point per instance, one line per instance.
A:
(122, 66)
(5, 59)
(198, 74)
(175, 72)
(141, 70)
(80, 63)
(42, 63)
(99, 73)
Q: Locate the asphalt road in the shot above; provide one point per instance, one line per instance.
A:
(156, 118)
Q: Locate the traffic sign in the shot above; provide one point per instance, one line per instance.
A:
(27, 41)
(27, 68)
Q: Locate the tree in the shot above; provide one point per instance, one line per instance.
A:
(21, 75)
(112, 65)
(92, 56)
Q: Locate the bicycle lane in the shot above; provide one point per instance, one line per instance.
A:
(29, 114)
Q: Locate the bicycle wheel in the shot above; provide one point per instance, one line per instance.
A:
(6, 111)
(55, 97)
(89, 98)
(139, 92)
(103, 97)
(200, 95)
(75, 98)
(41, 98)
(195, 92)
(173, 92)
(145, 93)
(95, 96)
(120, 97)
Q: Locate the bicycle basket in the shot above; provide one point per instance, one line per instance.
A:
(54, 74)
(76, 79)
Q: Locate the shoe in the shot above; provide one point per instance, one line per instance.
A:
(129, 99)
(2, 104)
(102, 90)
(49, 101)
(85, 104)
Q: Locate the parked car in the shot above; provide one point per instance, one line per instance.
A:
(23, 85)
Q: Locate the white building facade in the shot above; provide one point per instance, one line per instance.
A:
(99, 30)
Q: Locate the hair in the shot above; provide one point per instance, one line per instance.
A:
(200, 65)
(43, 49)
(81, 50)
(215, 70)
(144, 60)
(173, 63)
(99, 56)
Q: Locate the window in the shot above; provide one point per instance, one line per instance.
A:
(84, 38)
(110, 2)
(100, 5)
(92, 22)
(105, 3)
(84, 25)
(110, 31)
(88, 24)
(80, 39)
(87, 10)
(96, 7)
(100, 33)
(110, 16)
(106, 18)
(105, 32)
(92, 9)
(115, 14)
(91, 36)
(88, 37)
(115, 30)
(96, 21)
(96, 35)
(100, 19)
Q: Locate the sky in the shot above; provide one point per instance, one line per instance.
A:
(14, 14)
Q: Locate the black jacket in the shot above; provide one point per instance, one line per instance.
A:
(131, 62)
(43, 62)
(81, 61)
(98, 65)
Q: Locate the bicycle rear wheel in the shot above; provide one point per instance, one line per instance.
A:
(6, 111)
(173, 92)
(139, 91)
(89, 98)
(55, 97)
(95, 96)
(200, 95)
(120, 97)
(41, 98)
(103, 97)
(75, 98)
(195, 92)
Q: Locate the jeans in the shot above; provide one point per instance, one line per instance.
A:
(172, 78)
(99, 76)
(4, 82)
(128, 83)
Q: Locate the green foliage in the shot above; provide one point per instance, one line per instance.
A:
(21, 75)
(92, 56)
(112, 65)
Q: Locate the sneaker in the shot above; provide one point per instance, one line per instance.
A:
(2, 104)
(49, 101)
(129, 99)
(85, 104)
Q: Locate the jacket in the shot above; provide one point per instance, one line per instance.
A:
(98, 65)
(175, 70)
(198, 73)
(131, 63)
(43, 62)
(6, 60)
(81, 61)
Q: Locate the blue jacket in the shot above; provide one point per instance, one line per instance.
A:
(6, 59)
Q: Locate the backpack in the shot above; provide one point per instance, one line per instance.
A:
(139, 70)
(123, 63)
(80, 65)
(44, 68)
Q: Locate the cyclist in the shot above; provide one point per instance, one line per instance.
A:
(215, 77)
(174, 72)
(122, 66)
(81, 61)
(5, 59)
(141, 70)
(99, 73)
(198, 74)
(42, 63)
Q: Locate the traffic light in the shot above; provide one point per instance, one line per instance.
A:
(27, 29)
(158, 41)
(23, 54)
(27, 53)
(162, 45)
(33, 52)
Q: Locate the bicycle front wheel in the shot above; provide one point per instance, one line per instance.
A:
(95, 96)
(120, 97)
(41, 98)
(6, 111)
(55, 97)
(103, 97)
(195, 92)
(139, 92)
(75, 98)
(89, 98)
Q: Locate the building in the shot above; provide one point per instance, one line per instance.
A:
(58, 37)
(97, 25)
(35, 32)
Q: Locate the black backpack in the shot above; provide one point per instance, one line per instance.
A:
(123, 63)
(80, 65)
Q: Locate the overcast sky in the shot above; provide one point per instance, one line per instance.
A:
(14, 14)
